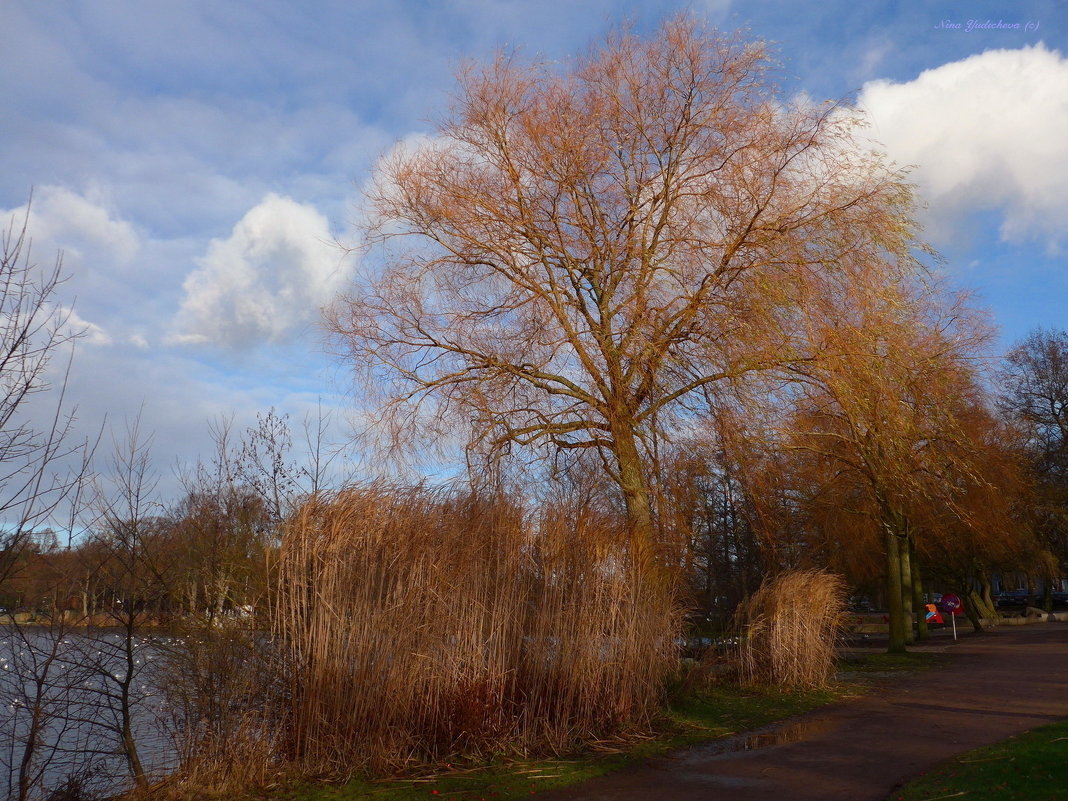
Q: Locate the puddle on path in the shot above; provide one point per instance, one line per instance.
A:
(791, 733)
(783, 735)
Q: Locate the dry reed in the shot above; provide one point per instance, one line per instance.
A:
(424, 625)
(791, 627)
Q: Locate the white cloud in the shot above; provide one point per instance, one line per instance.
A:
(64, 220)
(87, 332)
(272, 274)
(985, 133)
(106, 262)
(176, 394)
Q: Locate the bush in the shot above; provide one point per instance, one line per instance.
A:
(791, 626)
(222, 683)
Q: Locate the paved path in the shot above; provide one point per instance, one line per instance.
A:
(996, 685)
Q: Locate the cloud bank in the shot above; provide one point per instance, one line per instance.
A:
(987, 133)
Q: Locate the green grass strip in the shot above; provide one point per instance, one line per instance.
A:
(1032, 766)
(883, 662)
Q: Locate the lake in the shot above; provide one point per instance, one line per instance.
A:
(75, 685)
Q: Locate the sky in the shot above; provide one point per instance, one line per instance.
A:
(199, 164)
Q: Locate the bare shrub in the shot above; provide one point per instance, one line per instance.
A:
(424, 625)
(791, 625)
(221, 683)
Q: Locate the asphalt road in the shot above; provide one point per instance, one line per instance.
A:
(997, 684)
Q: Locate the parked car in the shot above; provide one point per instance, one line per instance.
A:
(1011, 598)
(860, 603)
(932, 598)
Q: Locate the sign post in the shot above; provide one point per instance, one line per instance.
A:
(953, 604)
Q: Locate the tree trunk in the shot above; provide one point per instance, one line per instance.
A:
(907, 590)
(126, 702)
(893, 593)
(971, 601)
(632, 482)
(986, 594)
(918, 606)
(32, 737)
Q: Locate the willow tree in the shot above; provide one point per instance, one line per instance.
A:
(884, 414)
(582, 249)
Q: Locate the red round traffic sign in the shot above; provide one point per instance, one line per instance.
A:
(952, 603)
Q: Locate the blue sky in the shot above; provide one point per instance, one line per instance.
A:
(196, 160)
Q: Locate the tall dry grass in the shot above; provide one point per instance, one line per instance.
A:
(790, 627)
(425, 624)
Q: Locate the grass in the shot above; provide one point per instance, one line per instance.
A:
(711, 714)
(882, 662)
(1028, 767)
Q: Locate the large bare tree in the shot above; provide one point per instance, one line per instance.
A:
(583, 248)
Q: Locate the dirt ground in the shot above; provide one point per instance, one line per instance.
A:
(997, 684)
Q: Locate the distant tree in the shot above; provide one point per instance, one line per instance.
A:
(725, 558)
(580, 252)
(1034, 396)
(224, 525)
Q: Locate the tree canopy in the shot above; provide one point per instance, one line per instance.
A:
(581, 251)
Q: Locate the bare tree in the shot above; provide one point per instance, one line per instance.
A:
(43, 681)
(39, 466)
(43, 473)
(129, 529)
(1034, 396)
(268, 465)
(580, 251)
(1035, 393)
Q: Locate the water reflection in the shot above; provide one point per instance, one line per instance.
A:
(792, 733)
(65, 697)
(767, 738)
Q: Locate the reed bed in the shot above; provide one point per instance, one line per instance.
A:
(425, 625)
(791, 626)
